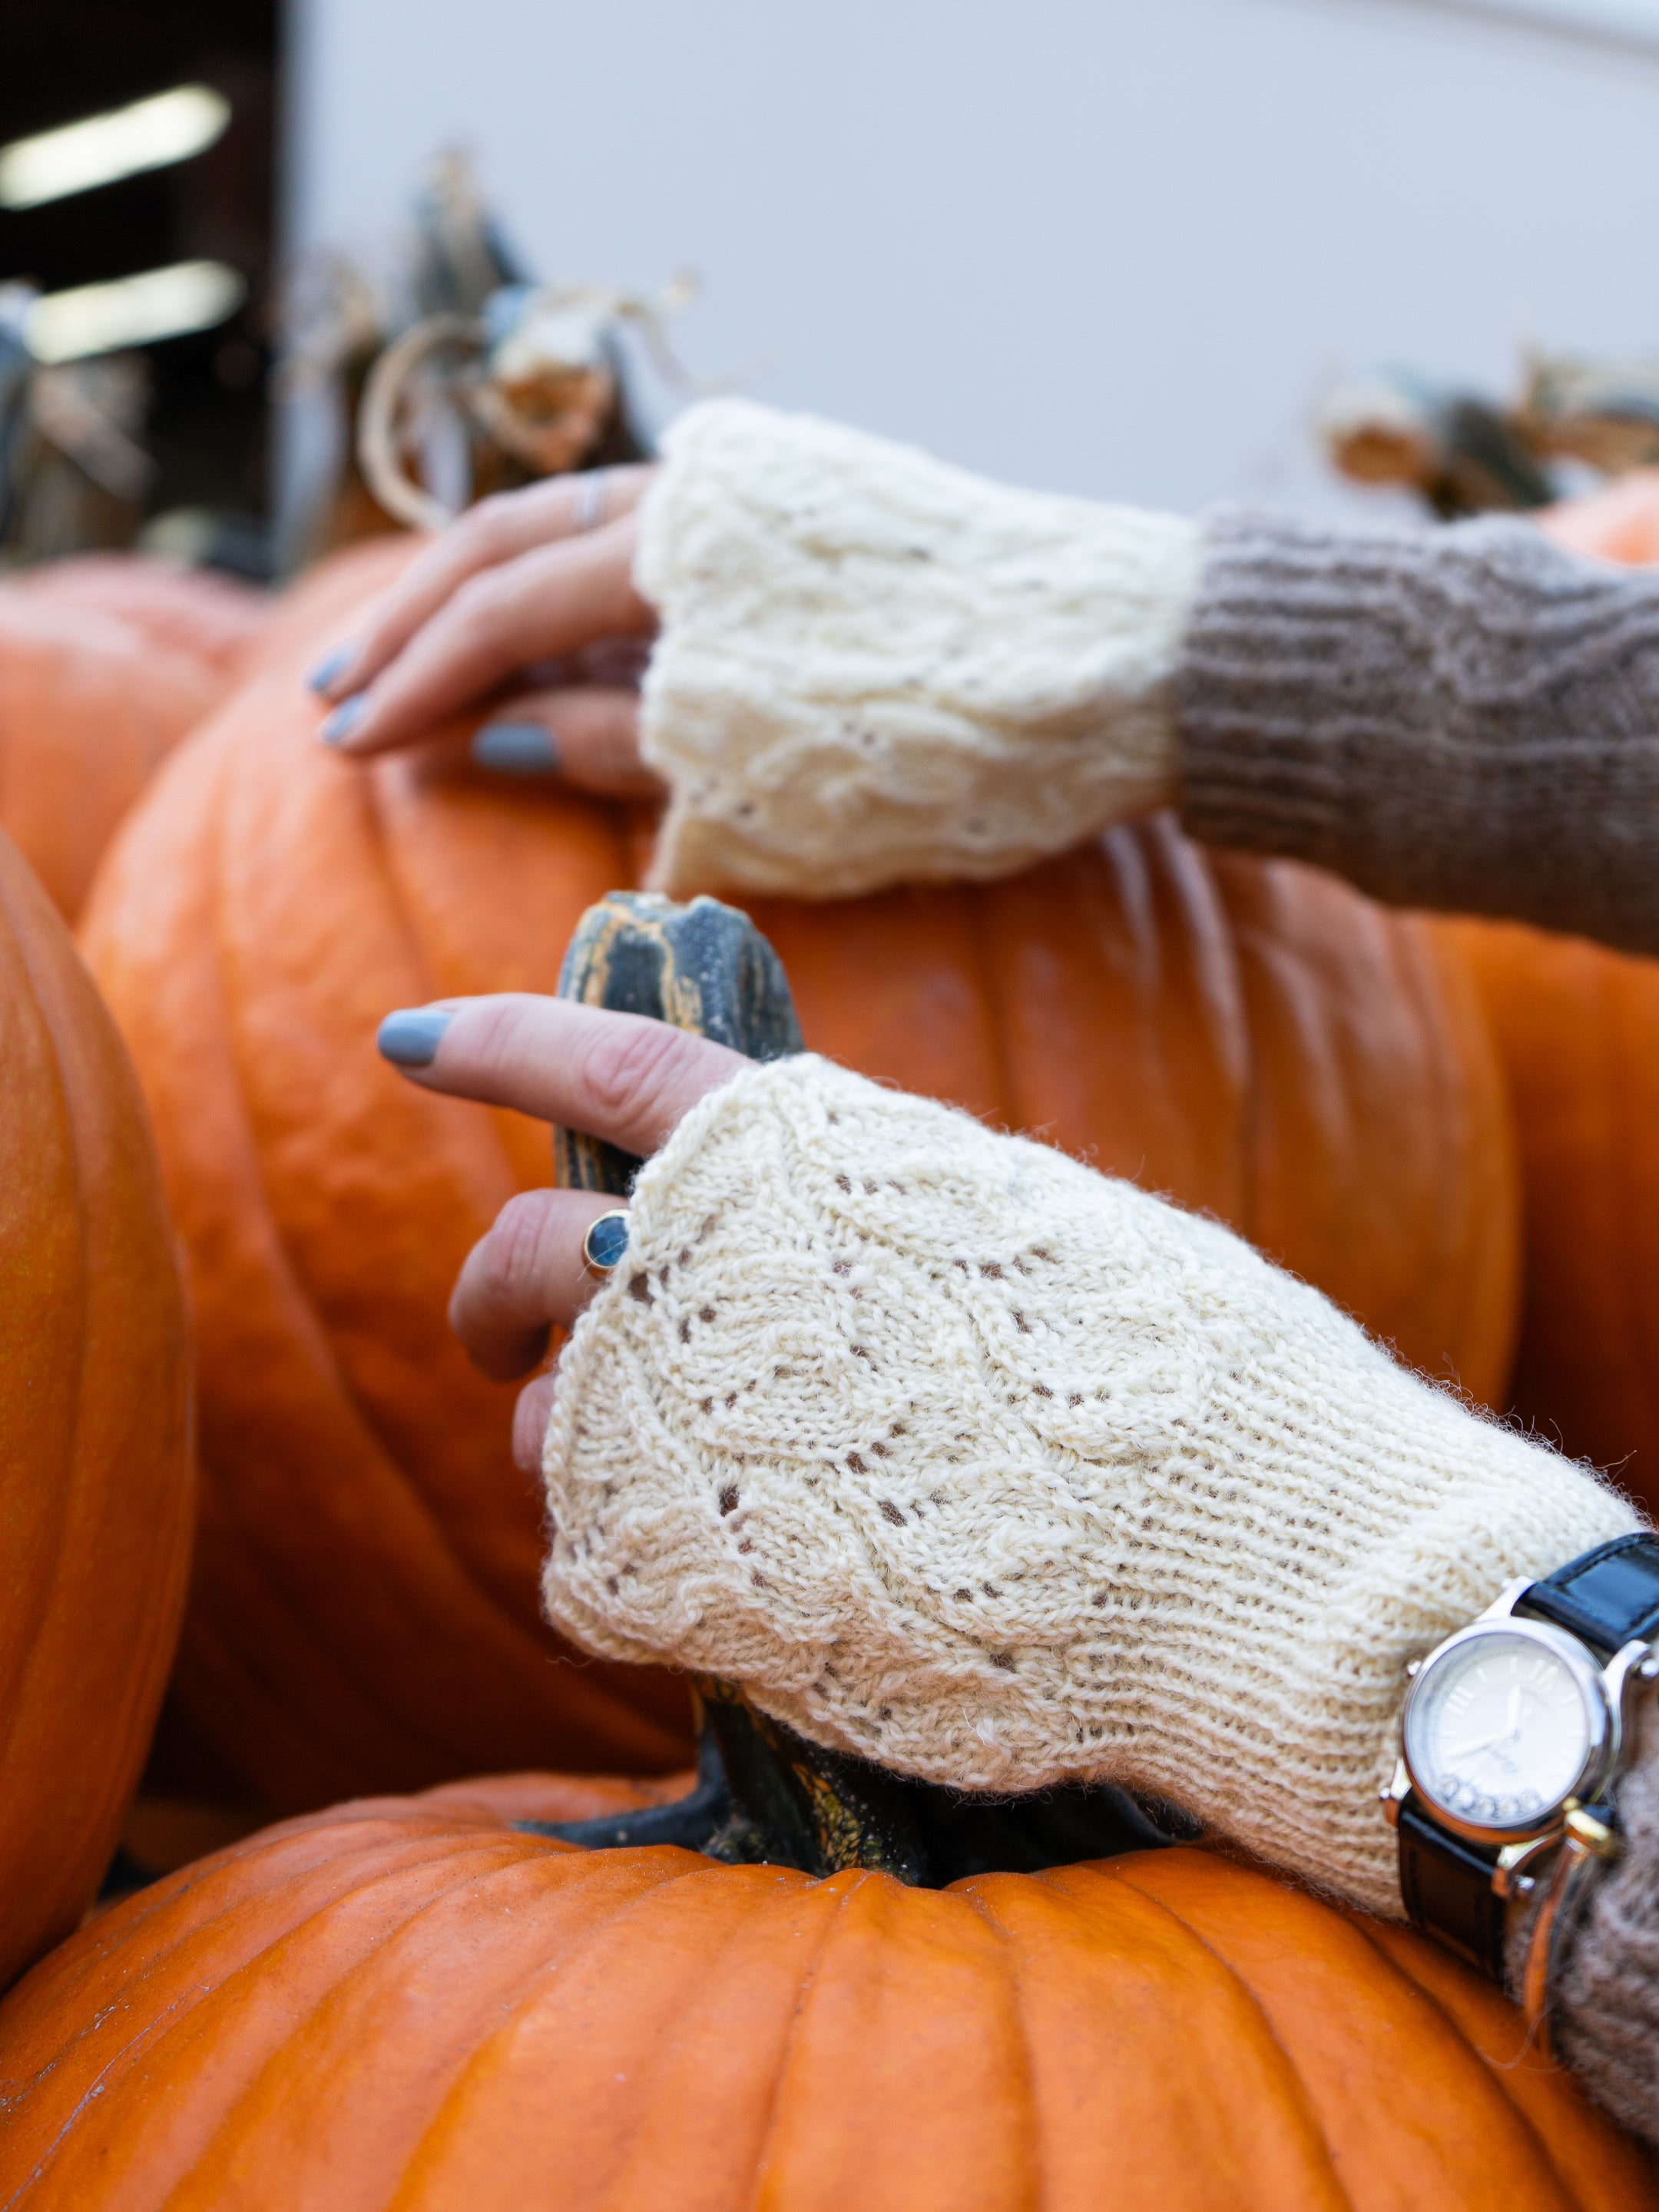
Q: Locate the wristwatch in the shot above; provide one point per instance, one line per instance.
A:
(1513, 1734)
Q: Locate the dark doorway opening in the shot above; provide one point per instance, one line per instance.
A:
(202, 415)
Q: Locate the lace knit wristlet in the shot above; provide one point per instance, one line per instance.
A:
(873, 667)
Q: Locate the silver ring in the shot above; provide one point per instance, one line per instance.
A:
(606, 1245)
(592, 488)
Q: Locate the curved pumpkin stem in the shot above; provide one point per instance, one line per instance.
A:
(765, 1794)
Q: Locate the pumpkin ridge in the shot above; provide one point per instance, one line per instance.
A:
(1217, 959)
(987, 981)
(1500, 1258)
(374, 814)
(157, 1631)
(1627, 1215)
(41, 992)
(494, 1627)
(1254, 990)
(1121, 1953)
(1019, 1993)
(93, 1431)
(463, 1877)
(202, 767)
(223, 1992)
(173, 1894)
(921, 1969)
(256, 1695)
(306, 1325)
(803, 1997)
(1123, 1872)
(331, 1363)
(1445, 1366)
(201, 1935)
(1480, 2081)
(1557, 2091)
(628, 1910)
(1571, 2202)
(302, 1622)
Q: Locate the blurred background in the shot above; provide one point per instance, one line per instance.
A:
(1154, 253)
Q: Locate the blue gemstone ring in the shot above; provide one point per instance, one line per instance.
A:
(606, 1241)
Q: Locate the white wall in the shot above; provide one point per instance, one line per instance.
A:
(1114, 246)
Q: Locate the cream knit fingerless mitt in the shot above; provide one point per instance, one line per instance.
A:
(875, 667)
(963, 1457)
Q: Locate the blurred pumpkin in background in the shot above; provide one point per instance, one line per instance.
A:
(1252, 1039)
(104, 663)
(212, 618)
(96, 1478)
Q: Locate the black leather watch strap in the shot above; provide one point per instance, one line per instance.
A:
(1606, 1596)
(1446, 1884)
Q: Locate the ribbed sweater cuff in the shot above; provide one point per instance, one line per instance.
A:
(1605, 2001)
(1465, 717)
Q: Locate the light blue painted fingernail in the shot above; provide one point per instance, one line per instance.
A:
(516, 749)
(410, 1037)
(344, 719)
(322, 673)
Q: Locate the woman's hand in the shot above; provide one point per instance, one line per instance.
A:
(616, 1076)
(526, 605)
(965, 1459)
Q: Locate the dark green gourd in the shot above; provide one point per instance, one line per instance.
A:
(765, 1794)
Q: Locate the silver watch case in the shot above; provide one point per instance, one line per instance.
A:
(1602, 1690)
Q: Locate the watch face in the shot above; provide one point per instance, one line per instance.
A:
(1500, 1727)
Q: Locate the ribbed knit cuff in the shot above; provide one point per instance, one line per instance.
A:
(1465, 719)
(1605, 1997)
(874, 667)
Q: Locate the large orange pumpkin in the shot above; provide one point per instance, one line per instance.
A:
(1254, 1039)
(95, 1504)
(1578, 1029)
(413, 2004)
(105, 664)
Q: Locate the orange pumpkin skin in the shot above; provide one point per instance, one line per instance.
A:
(1577, 1029)
(1254, 1039)
(212, 617)
(1621, 523)
(411, 2004)
(105, 664)
(96, 1502)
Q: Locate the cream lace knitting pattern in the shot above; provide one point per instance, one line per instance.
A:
(967, 1459)
(874, 667)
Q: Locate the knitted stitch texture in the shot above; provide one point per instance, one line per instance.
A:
(1465, 717)
(1606, 1999)
(1604, 1994)
(875, 667)
(963, 1457)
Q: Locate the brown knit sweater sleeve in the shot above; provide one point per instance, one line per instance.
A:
(1605, 1998)
(1463, 718)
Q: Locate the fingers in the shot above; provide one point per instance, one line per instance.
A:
(543, 604)
(495, 530)
(584, 734)
(526, 1277)
(616, 1076)
(530, 1419)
